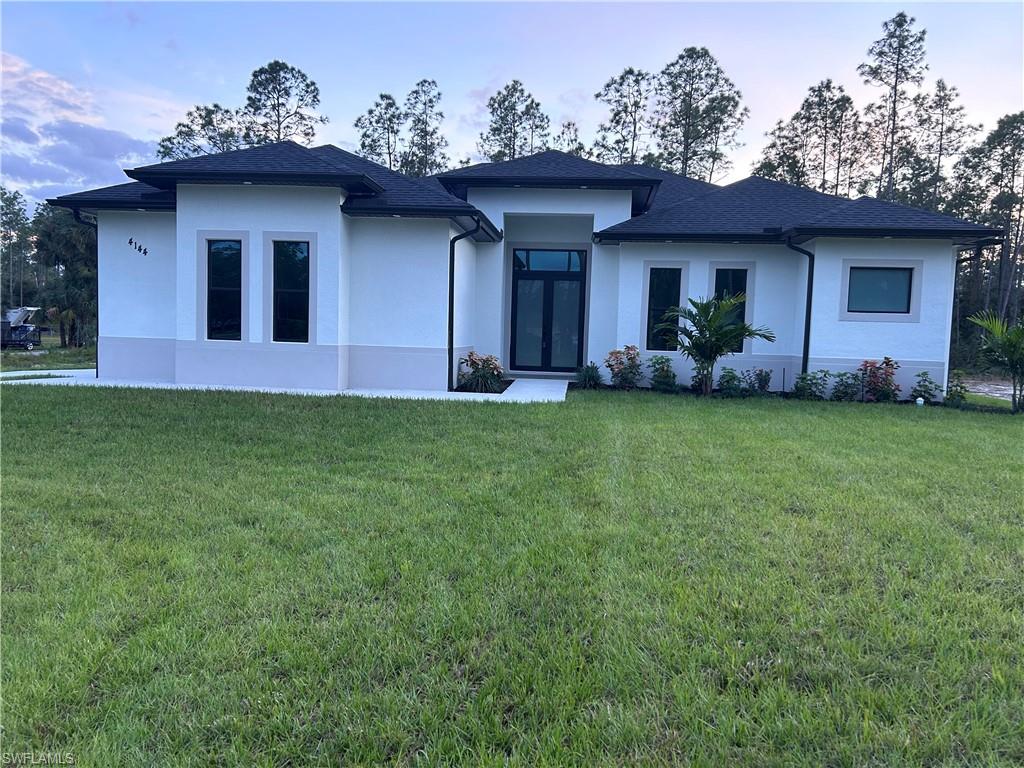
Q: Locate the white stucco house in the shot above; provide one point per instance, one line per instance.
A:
(288, 266)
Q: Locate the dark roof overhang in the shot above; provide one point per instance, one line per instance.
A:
(963, 235)
(643, 189)
(613, 238)
(165, 201)
(463, 217)
(168, 178)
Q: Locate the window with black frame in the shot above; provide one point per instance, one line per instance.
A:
(880, 290)
(224, 290)
(291, 290)
(663, 289)
(733, 282)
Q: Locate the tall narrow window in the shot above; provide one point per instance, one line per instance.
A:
(733, 282)
(663, 288)
(880, 290)
(224, 289)
(291, 290)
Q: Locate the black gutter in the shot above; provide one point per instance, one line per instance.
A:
(810, 298)
(77, 213)
(451, 298)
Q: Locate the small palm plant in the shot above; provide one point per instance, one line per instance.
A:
(1002, 345)
(707, 330)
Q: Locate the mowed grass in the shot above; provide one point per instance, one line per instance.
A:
(244, 579)
(50, 355)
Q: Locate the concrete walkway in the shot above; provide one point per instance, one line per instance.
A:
(521, 390)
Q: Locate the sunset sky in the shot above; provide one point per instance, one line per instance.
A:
(88, 88)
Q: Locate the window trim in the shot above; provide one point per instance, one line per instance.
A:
(913, 316)
(203, 237)
(269, 238)
(748, 313)
(684, 292)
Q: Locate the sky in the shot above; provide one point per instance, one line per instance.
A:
(89, 88)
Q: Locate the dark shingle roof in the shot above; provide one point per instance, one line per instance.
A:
(134, 194)
(762, 210)
(283, 162)
(550, 165)
(674, 187)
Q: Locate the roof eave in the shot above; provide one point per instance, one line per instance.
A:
(463, 217)
(803, 234)
(168, 179)
(691, 237)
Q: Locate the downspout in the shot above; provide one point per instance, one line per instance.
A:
(451, 298)
(95, 225)
(810, 298)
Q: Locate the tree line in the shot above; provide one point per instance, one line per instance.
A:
(910, 145)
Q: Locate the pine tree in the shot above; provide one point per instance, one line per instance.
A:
(942, 131)
(425, 146)
(896, 61)
(698, 114)
(622, 138)
(204, 131)
(517, 125)
(281, 104)
(379, 131)
(568, 139)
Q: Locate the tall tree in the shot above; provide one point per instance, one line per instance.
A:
(281, 104)
(204, 131)
(425, 147)
(820, 146)
(517, 124)
(942, 130)
(622, 137)
(67, 250)
(698, 114)
(568, 139)
(379, 131)
(15, 237)
(896, 61)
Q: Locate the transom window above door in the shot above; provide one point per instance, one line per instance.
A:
(543, 260)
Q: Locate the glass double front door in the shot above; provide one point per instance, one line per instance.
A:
(547, 309)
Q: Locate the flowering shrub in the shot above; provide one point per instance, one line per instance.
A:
(925, 388)
(663, 378)
(880, 380)
(624, 365)
(757, 381)
(811, 386)
(484, 373)
(847, 386)
(589, 376)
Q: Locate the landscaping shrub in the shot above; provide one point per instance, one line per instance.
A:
(730, 384)
(880, 380)
(847, 386)
(925, 387)
(624, 365)
(956, 390)
(811, 385)
(663, 378)
(589, 376)
(757, 381)
(484, 375)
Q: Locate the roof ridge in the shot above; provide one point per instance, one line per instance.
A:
(285, 142)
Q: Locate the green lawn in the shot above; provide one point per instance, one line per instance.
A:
(244, 579)
(50, 355)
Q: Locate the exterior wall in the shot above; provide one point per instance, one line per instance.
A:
(464, 330)
(776, 280)
(554, 217)
(919, 343)
(398, 303)
(136, 295)
(256, 214)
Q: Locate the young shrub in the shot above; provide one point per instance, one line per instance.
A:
(880, 380)
(757, 381)
(847, 387)
(926, 388)
(811, 386)
(589, 377)
(624, 365)
(730, 384)
(956, 390)
(484, 373)
(663, 378)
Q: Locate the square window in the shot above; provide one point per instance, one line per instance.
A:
(880, 290)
